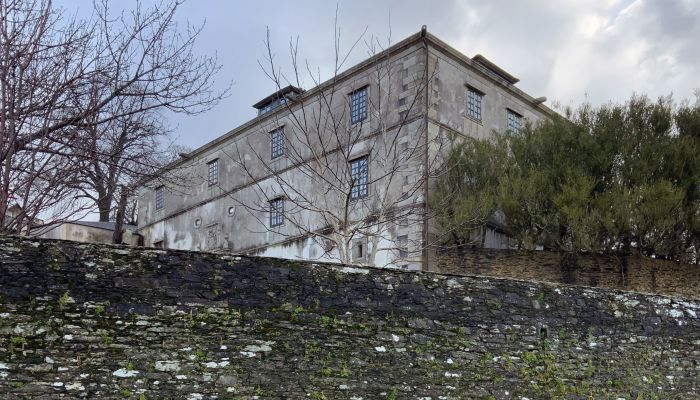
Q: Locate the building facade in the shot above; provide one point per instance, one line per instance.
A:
(275, 185)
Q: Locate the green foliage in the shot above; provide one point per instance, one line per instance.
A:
(63, 300)
(344, 370)
(318, 396)
(295, 313)
(106, 339)
(393, 394)
(18, 341)
(619, 178)
(469, 188)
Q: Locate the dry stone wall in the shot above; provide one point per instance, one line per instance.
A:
(635, 273)
(96, 321)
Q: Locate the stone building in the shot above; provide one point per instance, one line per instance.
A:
(241, 191)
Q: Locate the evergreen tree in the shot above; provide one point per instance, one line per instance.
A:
(619, 178)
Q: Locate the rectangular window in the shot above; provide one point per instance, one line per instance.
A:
(213, 172)
(277, 143)
(358, 105)
(277, 212)
(474, 104)
(160, 200)
(359, 249)
(514, 121)
(402, 242)
(359, 175)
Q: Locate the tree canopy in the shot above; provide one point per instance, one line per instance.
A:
(81, 104)
(618, 178)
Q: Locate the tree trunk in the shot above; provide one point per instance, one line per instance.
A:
(117, 236)
(104, 205)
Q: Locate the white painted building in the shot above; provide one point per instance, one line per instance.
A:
(461, 97)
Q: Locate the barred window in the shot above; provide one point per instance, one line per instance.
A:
(359, 175)
(474, 104)
(358, 105)
(514, 121)
(277, 143)
(277, 212)
(213, 172)
(160, 200)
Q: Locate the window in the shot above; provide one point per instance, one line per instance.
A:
(359, 176)
(213, 172)
(277, 212)
(158, 244)
(474, 104)
(277, 143)
(402, 101)
(359, 249)
(514, 121)
(402, 242)
(358, 105)
(159, 198)
(272, 105)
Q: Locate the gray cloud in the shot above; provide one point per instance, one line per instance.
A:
(605, 49)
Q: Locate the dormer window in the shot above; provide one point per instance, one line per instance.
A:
(272, 105)
(277, 99)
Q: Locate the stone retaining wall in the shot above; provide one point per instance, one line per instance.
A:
(104, 322)
(635, 273)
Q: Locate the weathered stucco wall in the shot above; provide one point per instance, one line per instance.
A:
(234, 214)
(634, 273)
(97, 321)
(83, 233)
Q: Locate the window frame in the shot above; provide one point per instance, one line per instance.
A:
(358, 105)
(359, 189)
(475, 100)
(160, 197)
(277, 143)
(213, 172)
(512, 116)
(363, 245)
(276, 210)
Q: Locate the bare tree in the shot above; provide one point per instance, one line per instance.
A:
(347, 179)
(74, 91)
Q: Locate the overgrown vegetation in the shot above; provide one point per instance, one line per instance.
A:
(620, 178)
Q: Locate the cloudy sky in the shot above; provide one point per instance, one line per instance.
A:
(567, 50)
